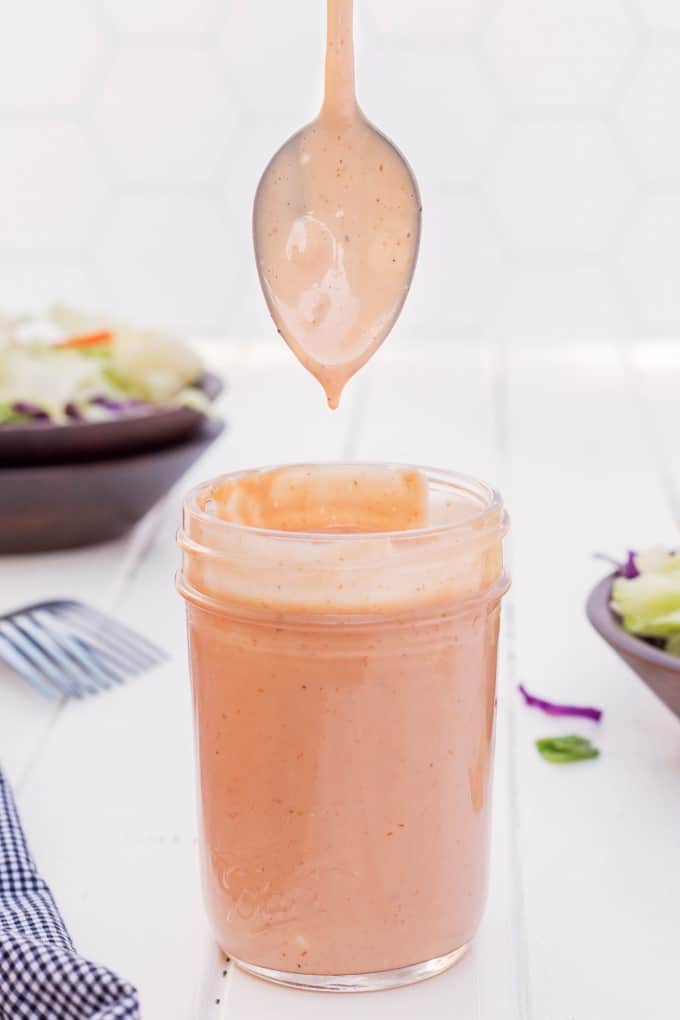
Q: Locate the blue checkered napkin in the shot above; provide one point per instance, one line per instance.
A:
(41, 975)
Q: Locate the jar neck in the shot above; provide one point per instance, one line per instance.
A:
(455, 558)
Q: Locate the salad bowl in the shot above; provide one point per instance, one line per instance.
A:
(657, 668)
(42, 442)
(64, 505)
(74, 388)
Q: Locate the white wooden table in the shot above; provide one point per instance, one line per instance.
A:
(583, 921)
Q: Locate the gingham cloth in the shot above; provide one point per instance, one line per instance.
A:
(41, 975)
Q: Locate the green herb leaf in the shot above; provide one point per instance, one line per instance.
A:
(9, 417)
(673, 645)
(564, 750)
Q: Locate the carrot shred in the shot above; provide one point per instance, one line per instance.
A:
(86, 340)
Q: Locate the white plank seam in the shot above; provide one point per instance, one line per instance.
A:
(652, 434)
(499, 381)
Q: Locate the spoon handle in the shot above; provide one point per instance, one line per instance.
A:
(339, 94)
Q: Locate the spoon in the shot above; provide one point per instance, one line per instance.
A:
(336, 226)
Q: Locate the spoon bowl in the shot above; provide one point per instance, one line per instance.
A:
(336, 227)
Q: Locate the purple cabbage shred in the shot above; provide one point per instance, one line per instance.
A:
(551, 708)
(109, 404)
(72, 412)
(32, 410)
(629, 568)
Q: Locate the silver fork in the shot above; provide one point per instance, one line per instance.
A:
(67, 649)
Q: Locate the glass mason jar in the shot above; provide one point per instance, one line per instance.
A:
(343, 628)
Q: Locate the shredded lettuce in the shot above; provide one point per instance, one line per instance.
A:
(131, 372)
(649, 604)
(151, 366)
(673, 645)
(10, 415)
(193, 399)
(657, 561)
(48, 379)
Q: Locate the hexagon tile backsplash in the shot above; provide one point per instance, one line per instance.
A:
(545, 136)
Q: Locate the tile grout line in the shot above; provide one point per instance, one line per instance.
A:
(136, 549)
(501, 404)
(352, 441)
(138, 546)
(144, 535)
(216, 982)
(635, 383)
(39, 746)
(228, 969)
(350, 450)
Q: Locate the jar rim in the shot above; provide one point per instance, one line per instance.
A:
(489, 497)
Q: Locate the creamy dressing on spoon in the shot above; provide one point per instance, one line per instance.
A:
(336, 228)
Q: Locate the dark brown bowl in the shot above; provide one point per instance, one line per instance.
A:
(61, 506)
(659, 671)
(22, 445)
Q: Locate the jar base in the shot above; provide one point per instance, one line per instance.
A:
(378, 981)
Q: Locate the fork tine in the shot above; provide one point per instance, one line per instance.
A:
(136, 642)
(119, 641)
(65, 647)
(77, 647)
(102, 674)
(95, 642)
(107, 659)
(82, 680)
(37, 654)
(24, 667)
